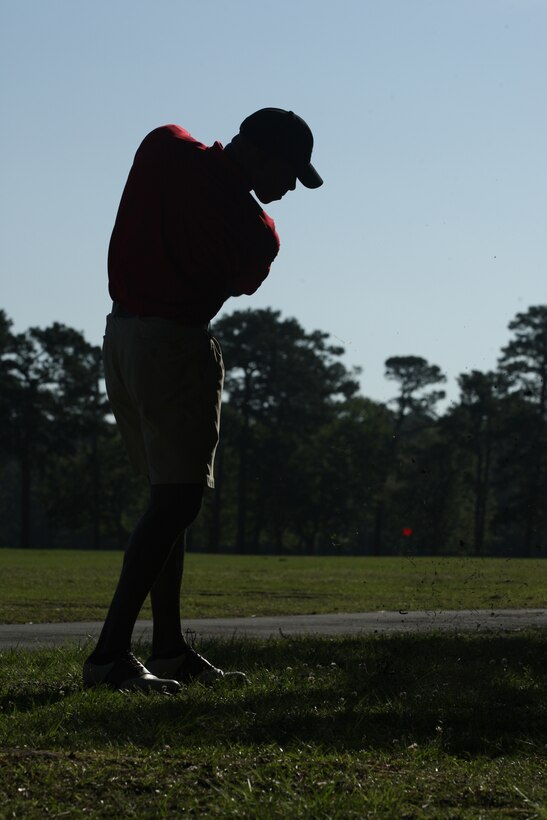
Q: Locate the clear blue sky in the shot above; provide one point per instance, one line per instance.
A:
(430, 123)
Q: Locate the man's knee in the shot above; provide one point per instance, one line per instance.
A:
(178, 503)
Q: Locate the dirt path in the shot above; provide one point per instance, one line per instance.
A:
(35, 636)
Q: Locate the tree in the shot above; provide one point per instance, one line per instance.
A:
(414, 408)
(474, 425)
(8, 382)
(524, 365)
(524, 359)
(54, 401)
(338, 474)
(283, 383)
(414, 374)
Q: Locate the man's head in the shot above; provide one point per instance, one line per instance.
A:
(276, 146)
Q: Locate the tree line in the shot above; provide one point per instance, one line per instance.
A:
(306, 463)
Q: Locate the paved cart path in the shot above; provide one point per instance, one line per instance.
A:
(35, 636)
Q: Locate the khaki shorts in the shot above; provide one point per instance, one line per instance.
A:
(164, 382)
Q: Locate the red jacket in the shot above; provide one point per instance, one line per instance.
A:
(188, 233)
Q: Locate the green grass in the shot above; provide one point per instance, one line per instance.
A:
(70, 585)
(381, 727)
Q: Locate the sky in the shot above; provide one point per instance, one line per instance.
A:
(430, 124)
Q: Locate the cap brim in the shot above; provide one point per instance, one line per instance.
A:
(309, 177)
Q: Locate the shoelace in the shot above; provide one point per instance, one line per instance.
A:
(134, 663)
(194, 657)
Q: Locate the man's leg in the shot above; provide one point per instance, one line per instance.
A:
(172, 508)
(167, 636)
(172, 657)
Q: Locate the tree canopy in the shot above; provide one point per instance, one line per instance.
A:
(306, 463)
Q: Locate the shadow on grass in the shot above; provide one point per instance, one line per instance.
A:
(467, 695)
(35, 680)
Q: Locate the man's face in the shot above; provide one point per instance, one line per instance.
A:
(273, 180)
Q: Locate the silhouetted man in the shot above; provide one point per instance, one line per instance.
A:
(188, 235)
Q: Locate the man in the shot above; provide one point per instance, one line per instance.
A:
(188, 235)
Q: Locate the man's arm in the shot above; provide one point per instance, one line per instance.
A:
(257, 254)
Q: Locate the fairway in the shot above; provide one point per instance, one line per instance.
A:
(371, 727)
(377, 727)
(42, 586)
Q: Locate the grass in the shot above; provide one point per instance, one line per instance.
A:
(378, 727)
(69, 585)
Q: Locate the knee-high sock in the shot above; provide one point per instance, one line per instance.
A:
(172, 508)
(167, 636)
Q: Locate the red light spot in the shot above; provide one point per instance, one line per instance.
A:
(407, 531)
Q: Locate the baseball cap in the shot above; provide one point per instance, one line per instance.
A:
(285, 135)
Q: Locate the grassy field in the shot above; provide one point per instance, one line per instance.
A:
(64, 585)
(377, 727)
(410, 726)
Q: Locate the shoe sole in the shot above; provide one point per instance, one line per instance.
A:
(130, 686)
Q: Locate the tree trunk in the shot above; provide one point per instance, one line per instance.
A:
(379, 527)
(25, 508)
(241, 538)
(96, 493)
(259, 518)
(478, 523)
(216, 524)
(530, 527)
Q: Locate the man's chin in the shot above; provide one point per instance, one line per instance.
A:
(266, 198)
